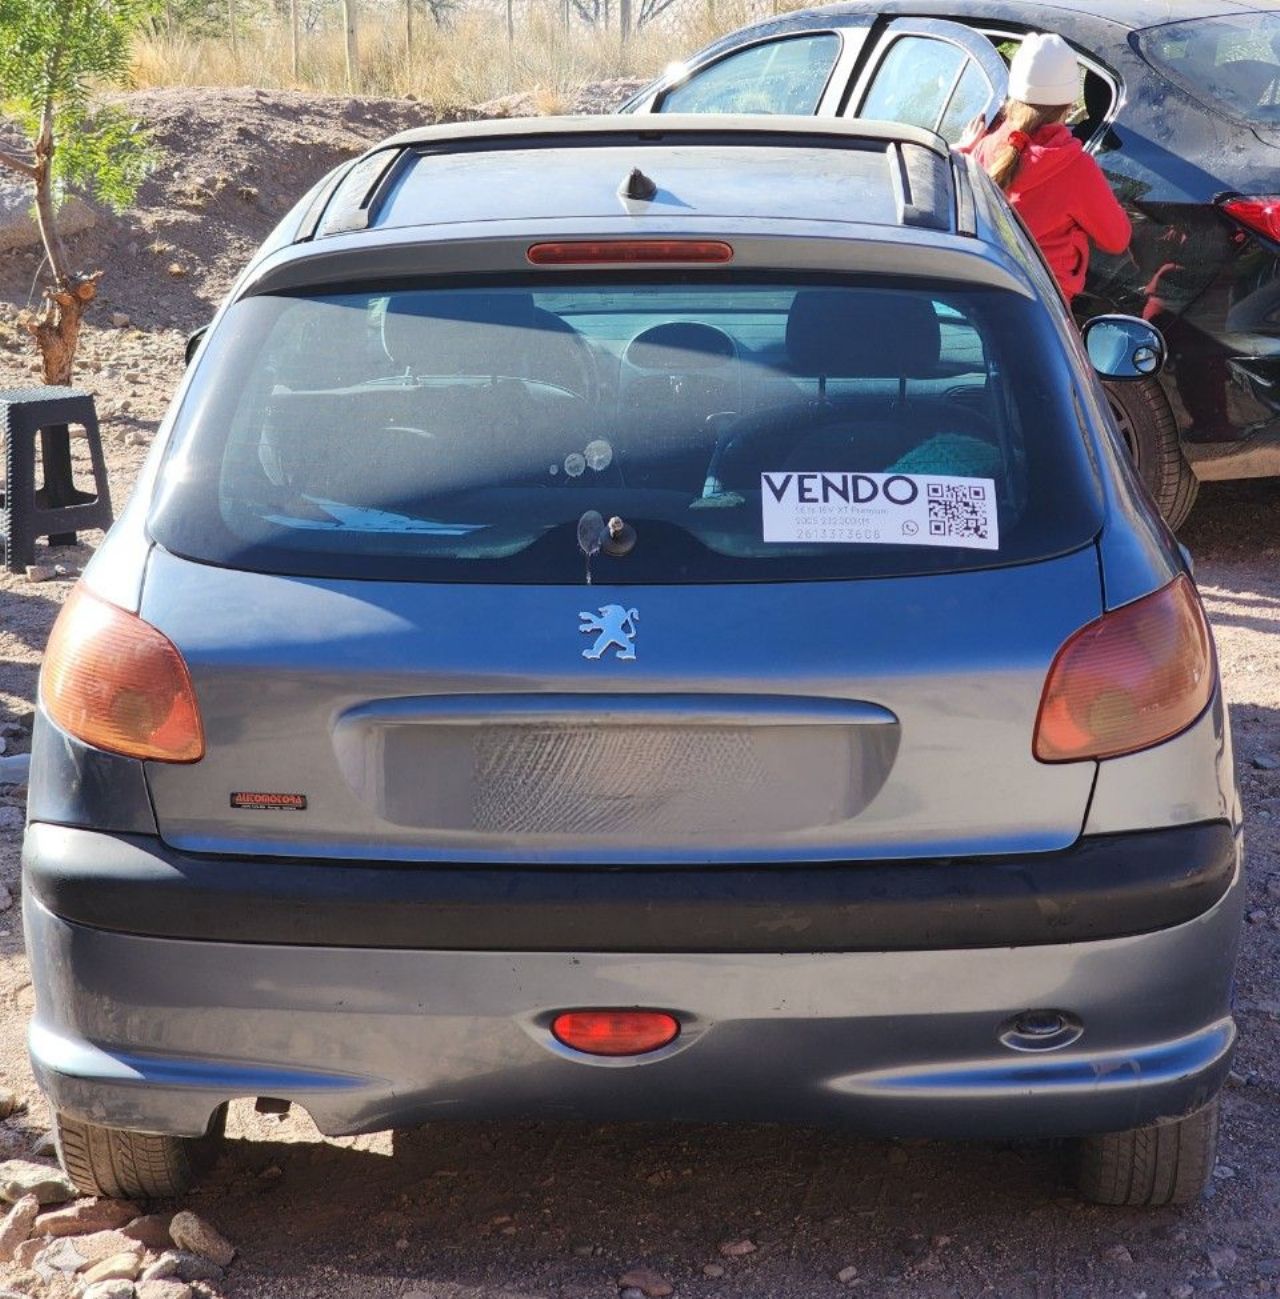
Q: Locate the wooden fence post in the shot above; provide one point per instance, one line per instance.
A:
(353, 50)
(231, 25)
(408, 28)
(293, 39)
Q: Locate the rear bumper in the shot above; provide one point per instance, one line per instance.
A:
(153, 1033)
(1104, 886)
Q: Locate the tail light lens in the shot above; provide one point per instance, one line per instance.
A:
(615, 1032)
(1133, 678)
(118, 684)
(1261, 215)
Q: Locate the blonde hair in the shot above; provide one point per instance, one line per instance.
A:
(1028, 118)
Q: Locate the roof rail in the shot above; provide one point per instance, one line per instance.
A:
(350, 199)
(918, 158)
(920, 187)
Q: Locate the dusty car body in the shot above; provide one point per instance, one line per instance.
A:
(599, 636)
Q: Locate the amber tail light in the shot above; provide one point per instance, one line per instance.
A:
(118, 684)
(1131, 679)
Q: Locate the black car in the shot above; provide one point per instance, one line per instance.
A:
(1179, 103)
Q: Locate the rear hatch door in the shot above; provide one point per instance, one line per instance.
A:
(862, 526)
(789, 721)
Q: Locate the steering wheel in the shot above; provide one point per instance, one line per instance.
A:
(583, 361)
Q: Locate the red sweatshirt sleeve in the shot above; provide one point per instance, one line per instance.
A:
(1097, 210)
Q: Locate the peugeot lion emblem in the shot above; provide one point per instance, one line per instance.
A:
(616, 627)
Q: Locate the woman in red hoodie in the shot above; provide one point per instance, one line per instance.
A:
(1057, 188)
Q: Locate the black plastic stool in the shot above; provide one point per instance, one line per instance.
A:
(56, 510)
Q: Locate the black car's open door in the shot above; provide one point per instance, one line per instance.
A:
(930, 73)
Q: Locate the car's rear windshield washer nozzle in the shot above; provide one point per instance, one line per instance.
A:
(638, 186)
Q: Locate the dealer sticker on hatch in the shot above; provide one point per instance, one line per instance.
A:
(880, 509)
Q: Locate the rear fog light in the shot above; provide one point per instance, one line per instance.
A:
(615, 1032)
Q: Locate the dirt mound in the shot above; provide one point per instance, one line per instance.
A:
(596, 97)
(229, 165)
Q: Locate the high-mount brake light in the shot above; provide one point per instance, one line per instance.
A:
(118, 684)
(629, 252)
(1135, 677)
(615, 1032)
(1261, 214)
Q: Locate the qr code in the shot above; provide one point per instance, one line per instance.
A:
(957, 510)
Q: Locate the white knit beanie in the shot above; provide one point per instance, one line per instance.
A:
(1044, 72)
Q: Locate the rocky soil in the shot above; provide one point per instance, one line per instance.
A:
(541, 1211)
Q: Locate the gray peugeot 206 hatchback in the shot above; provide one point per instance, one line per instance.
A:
(632, 620)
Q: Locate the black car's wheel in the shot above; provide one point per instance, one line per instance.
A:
(1150, 432)
(1167, 1163)
(124, 1165)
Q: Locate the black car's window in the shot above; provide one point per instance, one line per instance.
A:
(782, 76)
(462, 434)
(913, 82)
(1232, 62)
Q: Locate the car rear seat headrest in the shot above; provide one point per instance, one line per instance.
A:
(436, 332)
(863, 334)
(483, 333)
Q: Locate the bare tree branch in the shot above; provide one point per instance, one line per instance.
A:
(26, 169)
(650, 9)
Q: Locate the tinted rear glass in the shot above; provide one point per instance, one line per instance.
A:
(743, 431)
(1232, 62)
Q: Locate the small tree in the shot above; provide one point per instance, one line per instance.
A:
(53, 55)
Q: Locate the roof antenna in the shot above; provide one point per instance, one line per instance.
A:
(637, 185)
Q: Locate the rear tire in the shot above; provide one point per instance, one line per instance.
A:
(1146, 423)
(122, 1165)
(1167, 1163)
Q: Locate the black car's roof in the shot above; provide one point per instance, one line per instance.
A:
(1130, 14)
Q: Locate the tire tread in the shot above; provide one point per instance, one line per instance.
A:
(123, 1165)
(1166, 1163)
(1160, 462)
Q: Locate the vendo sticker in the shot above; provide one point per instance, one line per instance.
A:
(879, 509)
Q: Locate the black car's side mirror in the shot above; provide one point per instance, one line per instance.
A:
(193, 342)
(1124, 347)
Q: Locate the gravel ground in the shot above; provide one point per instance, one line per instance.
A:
(517, 1211)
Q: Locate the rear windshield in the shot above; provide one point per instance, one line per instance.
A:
(1232, 63)
(737, 431)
